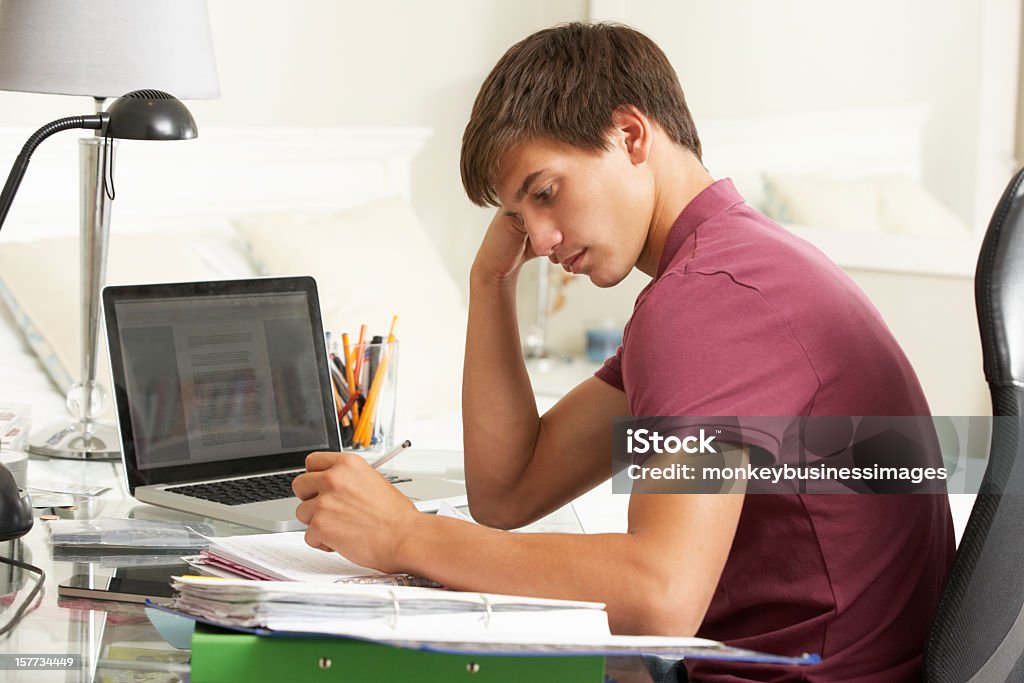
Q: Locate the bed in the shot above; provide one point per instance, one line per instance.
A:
(233, 203)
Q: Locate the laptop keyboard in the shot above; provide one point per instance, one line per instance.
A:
(251, 489)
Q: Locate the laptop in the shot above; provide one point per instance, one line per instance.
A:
(222, 389)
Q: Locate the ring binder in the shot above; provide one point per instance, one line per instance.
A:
(429, 619)
(397, 611)
(223, 657)
(395, 608)
(487, 611)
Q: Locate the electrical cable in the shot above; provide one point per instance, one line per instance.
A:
(108, 166)
(31, 596)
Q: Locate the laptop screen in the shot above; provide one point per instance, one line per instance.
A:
(209, 374)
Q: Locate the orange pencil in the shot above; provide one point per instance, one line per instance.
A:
(350, 376)
(338, 403)
(364, 429)
(358, 360)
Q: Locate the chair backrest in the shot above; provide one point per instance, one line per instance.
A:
(978, 631)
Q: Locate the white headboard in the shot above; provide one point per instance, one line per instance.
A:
(843, 143)
(200, 183)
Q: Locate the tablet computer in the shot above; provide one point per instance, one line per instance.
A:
(127, 584)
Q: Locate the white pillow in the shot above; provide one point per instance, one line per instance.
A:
(370, 263)
(889, 203)
(39, 281)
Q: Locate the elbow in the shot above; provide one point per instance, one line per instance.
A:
(669, 618)
(657, 611)
(494, 511)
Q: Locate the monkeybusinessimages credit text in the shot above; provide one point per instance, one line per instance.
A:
(799, 457)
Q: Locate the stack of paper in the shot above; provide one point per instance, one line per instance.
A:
(380, 611)
(430, 618)
(286, 557)
(135, 534)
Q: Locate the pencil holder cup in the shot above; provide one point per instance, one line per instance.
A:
(372, 423)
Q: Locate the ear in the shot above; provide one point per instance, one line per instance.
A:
(634, 131)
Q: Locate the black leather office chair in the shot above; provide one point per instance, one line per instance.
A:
(978, 631)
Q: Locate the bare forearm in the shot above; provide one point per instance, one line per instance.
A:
(500, 419)
(620, 570)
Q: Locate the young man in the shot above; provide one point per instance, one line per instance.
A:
(582, 139)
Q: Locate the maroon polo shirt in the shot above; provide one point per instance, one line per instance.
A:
(744, 318)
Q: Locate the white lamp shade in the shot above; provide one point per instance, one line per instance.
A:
(105, 48)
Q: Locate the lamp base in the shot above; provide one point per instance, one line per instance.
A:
(67, 438)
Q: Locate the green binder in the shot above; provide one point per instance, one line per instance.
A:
(222, 656)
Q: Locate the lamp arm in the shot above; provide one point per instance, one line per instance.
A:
(89, 121)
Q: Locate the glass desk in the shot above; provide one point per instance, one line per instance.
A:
(114, 641)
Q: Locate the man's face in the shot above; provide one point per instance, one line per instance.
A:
(588, 211)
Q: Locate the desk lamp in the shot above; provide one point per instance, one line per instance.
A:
(102, 48)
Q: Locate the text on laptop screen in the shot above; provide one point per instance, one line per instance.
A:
(212, 378)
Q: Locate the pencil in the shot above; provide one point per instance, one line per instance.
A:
(338, 403)
(358, 360)
(350, 376)
(353, 400)
(364, 428)
(390, 454)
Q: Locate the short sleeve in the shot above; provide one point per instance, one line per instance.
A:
(704, 345)
(611, 371)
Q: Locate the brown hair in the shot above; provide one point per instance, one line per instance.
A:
(564, 83)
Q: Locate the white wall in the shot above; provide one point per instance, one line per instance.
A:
(743, 58)
(933, 318)
(326, 63)
(330, 63)
(749, 57)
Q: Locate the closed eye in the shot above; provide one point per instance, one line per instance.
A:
(544, 195)
(517, 219)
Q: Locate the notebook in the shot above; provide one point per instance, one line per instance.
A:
(432, 619)
(222, 388)
(287, 557)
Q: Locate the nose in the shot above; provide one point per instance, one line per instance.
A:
(544, 236)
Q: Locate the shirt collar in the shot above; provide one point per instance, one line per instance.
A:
(716, 198)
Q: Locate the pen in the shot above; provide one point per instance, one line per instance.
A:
(374, 353)
(390, 454)
(339, 381)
